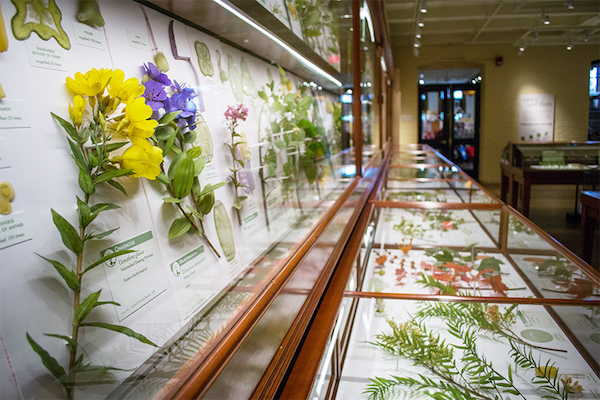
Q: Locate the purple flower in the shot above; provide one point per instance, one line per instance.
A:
(182, 100)
(155, 95)
(235, 113)
(156, 75)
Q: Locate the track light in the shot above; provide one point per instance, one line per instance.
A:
(570, 4)
(417, 43)
(418, 32)
(545, 18)
(570, 45)
(423, 7)
(420, 23)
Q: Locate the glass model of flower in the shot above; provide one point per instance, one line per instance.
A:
(106, 106)
(290, 131)
(239, 153)
(174, 110)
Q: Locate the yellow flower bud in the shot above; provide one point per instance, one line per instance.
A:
(76, 111)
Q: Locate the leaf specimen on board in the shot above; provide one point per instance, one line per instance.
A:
(33, 16)
(224, 230)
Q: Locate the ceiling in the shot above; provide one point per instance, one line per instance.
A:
(514, 22)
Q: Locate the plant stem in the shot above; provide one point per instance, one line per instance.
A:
(201, 230)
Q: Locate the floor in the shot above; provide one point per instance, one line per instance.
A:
(552, 208)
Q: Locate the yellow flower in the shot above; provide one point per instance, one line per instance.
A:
(136, 121)
(124, 89)
(143, 158)
(92, 83)
(76, 111)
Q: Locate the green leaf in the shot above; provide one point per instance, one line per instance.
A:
(179, 227)
(68, 233)
(183, 178)
(85, 183)
(172, 200)
(263, 96)
(287, 168)
(199, 164)
(169, 142)
(84, 212)
(276, 106)
(281, 145)
(194, 152)
(103, 207)
(121, 329)
(108, 257)
(89, 367)
(118, 186)
(162, 178)
(51, 364)
(194, 213)
(86, 306)
(69, 276)
(206, 202)
(103, 234)
(111, 174)
(164, 132)
(78, 157)
(70, 129)
(211, 188)
(312, 32)
(490, 263)
(290, 98)
(165, 119)
(70, 342)
(237, 205)
(189, 137)
(113, 146)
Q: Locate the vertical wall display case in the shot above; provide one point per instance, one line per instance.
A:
(178, 180)
(451, 294)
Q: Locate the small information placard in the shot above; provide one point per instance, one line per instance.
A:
(138, 40)
(135, 278)
(188, 272)
(13, 114)
(47, 55)
(87, 36)
(13, 229)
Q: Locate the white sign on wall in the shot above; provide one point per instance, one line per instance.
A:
(536, 117)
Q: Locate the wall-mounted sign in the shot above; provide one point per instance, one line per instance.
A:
(536, 117)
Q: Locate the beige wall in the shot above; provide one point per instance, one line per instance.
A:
(540, 69)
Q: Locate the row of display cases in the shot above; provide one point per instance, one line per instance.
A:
(453, 293)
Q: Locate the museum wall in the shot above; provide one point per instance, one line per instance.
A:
(539, 70)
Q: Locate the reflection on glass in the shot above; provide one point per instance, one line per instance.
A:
(432, 118)
(463, 111)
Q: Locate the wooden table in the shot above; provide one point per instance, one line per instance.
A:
(517, 181)
(590, 215)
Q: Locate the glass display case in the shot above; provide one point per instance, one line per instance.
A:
(178, 180)
(553, 163)
(452, 294)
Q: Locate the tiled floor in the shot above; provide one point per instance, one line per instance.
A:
(552, 208)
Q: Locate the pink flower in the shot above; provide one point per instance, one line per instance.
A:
(447, 225)
(236, 113)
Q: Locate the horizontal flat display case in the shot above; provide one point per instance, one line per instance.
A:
(567, 155)
(445, 291)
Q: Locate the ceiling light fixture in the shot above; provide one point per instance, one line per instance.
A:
(420, 23)
(545, 18)
(418, 32)
(570, 4)
(281, 43)
(570, 45)
(417, 43)
(423, 7)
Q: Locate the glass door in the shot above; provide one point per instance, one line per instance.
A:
(449, 122)
(433, 124)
